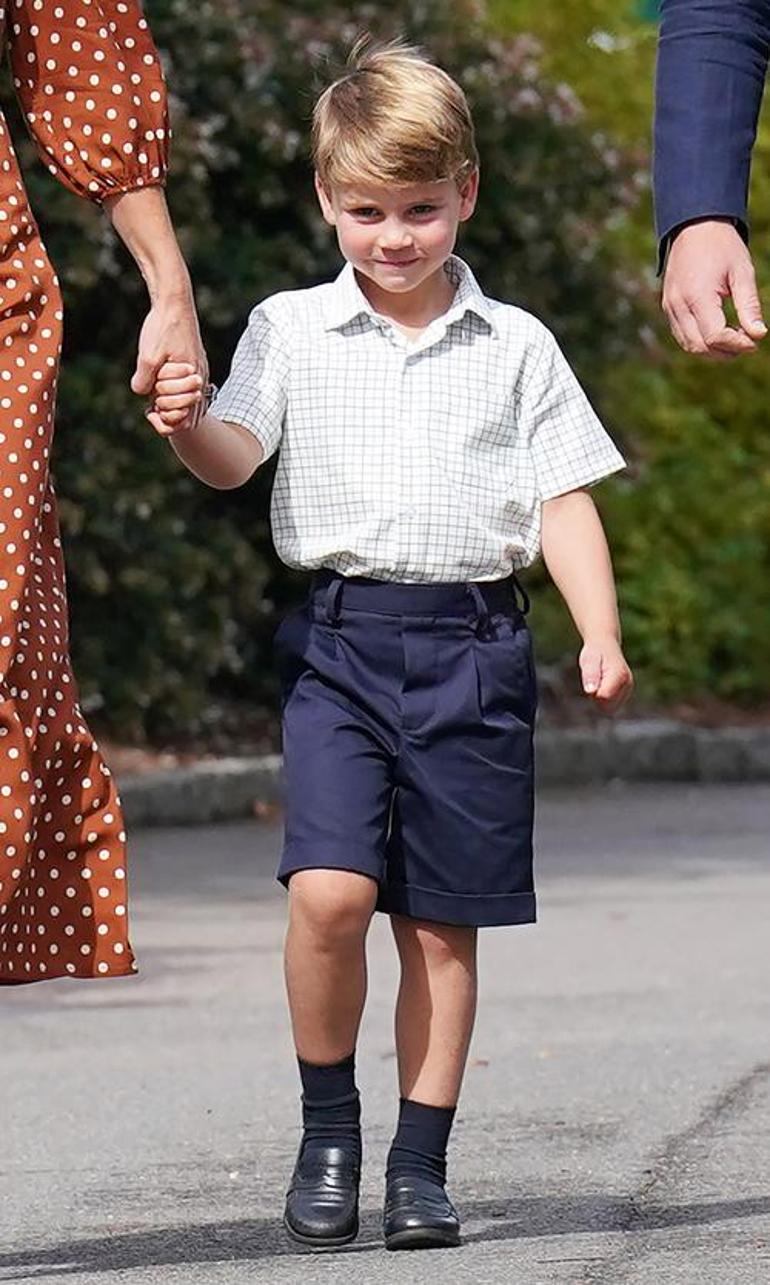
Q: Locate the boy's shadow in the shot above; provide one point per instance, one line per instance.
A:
(252, 1240)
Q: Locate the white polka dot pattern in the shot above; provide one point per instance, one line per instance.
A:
(91, 87)
(63, 906)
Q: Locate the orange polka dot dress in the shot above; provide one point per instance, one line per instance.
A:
(91, 88)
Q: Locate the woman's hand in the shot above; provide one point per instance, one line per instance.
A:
(170, 334)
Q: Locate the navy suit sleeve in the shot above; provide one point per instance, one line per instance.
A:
(712, 61)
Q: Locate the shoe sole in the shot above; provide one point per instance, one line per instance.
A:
(422, 1238)
(317, 1243)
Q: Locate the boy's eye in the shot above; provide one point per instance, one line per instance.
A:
(424, 209)
(365, 212)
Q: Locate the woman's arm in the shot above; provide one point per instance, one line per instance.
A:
(90, 85)
(578, 559)
(170, 331)
(142, 220)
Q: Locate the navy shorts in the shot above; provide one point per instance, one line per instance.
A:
(408, 713)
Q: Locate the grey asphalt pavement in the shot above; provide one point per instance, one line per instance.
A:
(615, 1125)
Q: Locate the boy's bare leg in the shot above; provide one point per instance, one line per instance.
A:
(436, 1008)
(325, 960)
(434, 1020)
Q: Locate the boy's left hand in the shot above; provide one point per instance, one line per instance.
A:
(177, 396)
(606, 675)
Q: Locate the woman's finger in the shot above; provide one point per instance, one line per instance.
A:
(189, 383)
(179, 368)
(181, 401)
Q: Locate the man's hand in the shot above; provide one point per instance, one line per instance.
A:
(707, 263)
(606, 676)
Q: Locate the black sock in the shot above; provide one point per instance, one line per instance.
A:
(419, 1147)
(331, 1108)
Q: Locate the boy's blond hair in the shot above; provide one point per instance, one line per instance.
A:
(392, 118)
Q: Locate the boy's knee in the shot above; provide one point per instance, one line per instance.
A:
(334, 906)
(441, 945)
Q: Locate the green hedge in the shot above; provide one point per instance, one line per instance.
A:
(691, 533)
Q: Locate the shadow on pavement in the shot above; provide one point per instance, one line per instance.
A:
(254, 1239)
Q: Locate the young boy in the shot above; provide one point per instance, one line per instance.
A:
(431, 439)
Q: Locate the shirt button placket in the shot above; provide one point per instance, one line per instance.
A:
(402, 438)
(411, 457)
(394, 480)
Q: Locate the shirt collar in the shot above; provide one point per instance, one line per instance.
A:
(346, 300)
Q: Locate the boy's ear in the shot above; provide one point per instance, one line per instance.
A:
(469, 195)
(324, 200)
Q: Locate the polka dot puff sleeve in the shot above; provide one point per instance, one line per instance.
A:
(91, 87)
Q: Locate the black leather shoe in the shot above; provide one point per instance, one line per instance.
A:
(322, 1201)
(418, 1215)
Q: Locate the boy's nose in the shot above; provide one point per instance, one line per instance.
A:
(395, 237)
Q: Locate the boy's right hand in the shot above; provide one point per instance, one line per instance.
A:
(177, 388)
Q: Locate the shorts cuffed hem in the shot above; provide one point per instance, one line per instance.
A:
(486, 911)
(313, 857)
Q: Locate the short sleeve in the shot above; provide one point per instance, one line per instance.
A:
(569, 445)
(255, 392)
(91, 87)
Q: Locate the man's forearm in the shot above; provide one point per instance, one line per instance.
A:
(220, 454)
(712, 62)
(576, 554)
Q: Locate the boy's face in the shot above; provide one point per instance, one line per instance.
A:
(398, 236)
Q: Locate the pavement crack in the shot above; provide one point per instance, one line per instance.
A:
(640, 1217)
(732, 1101)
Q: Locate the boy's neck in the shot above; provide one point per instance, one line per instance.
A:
(411, 310)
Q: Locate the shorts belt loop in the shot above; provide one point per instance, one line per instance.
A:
(332, 602)
(519, 589)
(482, 611)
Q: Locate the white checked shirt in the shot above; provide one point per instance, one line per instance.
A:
(415, 461)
